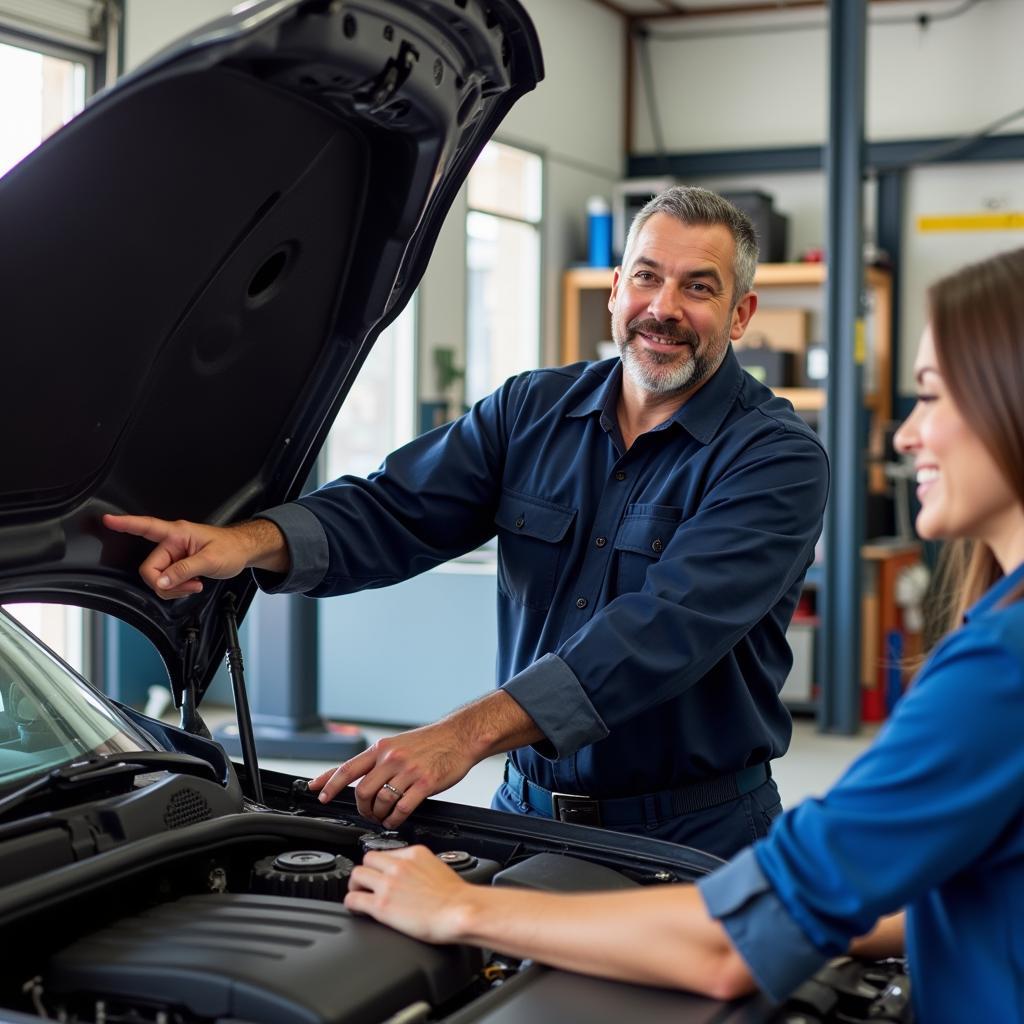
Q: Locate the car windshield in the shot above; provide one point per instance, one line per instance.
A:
(48, 714)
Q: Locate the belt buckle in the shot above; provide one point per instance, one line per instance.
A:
(575, 810)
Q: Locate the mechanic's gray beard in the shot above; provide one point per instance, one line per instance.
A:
(646, 369)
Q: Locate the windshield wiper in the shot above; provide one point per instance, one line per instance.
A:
(107, 767)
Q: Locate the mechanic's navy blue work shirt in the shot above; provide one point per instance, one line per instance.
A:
(931, 818)
(643, 595)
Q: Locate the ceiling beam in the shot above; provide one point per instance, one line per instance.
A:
(685, 11)
(765, 7)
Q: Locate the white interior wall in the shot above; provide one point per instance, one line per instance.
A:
(150, 25)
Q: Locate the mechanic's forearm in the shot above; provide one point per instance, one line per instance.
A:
(265, 545)
(493, 725)
(885, 939)
(658, 936)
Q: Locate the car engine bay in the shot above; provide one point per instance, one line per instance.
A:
(228, 914)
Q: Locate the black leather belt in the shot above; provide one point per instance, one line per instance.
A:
(634, 810)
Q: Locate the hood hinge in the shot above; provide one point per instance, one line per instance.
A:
(191, 720)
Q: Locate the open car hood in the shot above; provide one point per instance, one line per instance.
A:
(195, 268)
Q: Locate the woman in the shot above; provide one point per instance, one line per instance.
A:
(930, 818)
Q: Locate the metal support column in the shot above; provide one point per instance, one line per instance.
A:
(889, 236)
(839, 709)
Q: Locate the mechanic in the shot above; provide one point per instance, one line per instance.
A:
(930, 818)
(656, 515)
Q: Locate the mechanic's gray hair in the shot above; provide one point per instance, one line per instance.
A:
(694, 205)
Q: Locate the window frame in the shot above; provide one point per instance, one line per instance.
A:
(103, 58)
(50, 49)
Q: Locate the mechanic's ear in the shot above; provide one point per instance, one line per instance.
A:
(741, 315)
(615, 289)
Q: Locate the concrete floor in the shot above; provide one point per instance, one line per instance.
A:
(813, 763)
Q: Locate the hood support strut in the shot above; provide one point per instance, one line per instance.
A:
(237, 672)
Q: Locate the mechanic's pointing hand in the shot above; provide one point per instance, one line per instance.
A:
(186, 551)
(400, 772)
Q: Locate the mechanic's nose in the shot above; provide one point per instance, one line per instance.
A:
(666, 303)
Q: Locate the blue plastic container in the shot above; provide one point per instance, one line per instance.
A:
(599, 232)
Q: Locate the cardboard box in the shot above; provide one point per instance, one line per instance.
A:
(785, 329)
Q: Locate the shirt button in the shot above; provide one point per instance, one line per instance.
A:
(581, 602)
(620, 475)
(520, 523)
(657, 545)
(601, 541)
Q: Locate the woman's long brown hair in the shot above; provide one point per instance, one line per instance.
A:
(977, 318)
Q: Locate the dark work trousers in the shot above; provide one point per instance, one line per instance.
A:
(723, 830)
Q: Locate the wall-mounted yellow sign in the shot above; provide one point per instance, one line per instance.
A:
(1004, 221)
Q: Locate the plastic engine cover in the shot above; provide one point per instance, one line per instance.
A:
(265, 959)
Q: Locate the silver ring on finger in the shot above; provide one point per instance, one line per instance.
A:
(393, 789)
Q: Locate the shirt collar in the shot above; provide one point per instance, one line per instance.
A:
(701, 415)
(995, 594)
(604, 396)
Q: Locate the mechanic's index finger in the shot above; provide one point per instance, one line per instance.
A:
(315, 784)
(354, 768)
(148, 527)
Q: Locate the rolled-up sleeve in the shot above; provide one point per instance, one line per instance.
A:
(307, 550)
(774, 948)
(553, 697)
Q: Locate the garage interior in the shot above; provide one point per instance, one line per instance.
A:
(893, 126)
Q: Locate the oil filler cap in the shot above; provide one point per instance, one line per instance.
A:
(305, 860)
(458, 860)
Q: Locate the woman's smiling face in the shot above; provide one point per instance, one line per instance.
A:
(961, 489)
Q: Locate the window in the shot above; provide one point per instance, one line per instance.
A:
(503, 257)
(38, 94)
(377, 415)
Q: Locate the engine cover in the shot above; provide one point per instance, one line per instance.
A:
(265, 959)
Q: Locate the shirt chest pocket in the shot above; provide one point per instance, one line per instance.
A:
(643, 535)
(532, 538)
